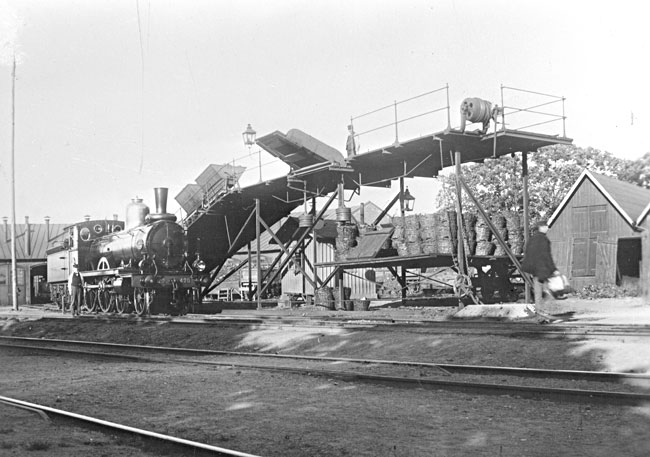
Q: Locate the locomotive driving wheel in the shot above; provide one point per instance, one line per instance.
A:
(90, 300)
(104, 298)
(142, 299)
(123, 304)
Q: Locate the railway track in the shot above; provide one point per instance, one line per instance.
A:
(464, 327)
(582, 386)
(45, 412)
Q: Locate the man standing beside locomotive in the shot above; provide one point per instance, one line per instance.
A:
(75, 286)
(538, 261)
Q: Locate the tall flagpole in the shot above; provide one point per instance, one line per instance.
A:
(14, 281)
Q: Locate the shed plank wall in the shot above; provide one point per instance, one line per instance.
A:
(562, 237)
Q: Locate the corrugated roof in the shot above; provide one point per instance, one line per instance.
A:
(39, 240)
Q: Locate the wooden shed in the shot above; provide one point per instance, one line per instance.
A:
(32, 241)
(598, 231)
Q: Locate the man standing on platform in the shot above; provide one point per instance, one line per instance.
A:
(75, 286)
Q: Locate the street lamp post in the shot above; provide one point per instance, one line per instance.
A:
(249, 141)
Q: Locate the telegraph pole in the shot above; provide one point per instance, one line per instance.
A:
(14, 281)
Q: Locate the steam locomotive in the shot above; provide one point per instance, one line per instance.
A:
(141, 266)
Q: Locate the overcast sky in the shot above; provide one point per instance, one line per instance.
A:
(115, 97)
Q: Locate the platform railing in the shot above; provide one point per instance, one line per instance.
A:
(512, 114)
(399, 117)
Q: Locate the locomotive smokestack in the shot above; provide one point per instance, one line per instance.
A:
(161, 199)
(161, 213)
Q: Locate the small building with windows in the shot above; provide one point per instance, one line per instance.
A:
(599, 231)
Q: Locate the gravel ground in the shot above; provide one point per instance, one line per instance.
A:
(272, 414)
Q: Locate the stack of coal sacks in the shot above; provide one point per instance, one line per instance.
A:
(406, 237)
(469, 223)
(412, 235)
(499, 222)
(447, 232)
(429, 233)
(397, 238)
(515, 232)
(484, 245)
(346, 239)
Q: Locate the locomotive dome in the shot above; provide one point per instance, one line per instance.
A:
(136, 212)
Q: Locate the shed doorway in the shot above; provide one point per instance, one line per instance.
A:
(628, 260)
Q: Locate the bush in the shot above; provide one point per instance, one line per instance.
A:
(594, 291)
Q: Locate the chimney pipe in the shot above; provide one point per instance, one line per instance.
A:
(47, 227)
(86, 218)
(115, 216)
(28, 236)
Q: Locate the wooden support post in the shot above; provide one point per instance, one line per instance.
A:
(314, 244)
(403, 282)
(258, 218)
(401, 202)
(524, 182)
(459, 224)
(250, 273)
(645, 265)
(341, 288)
(459, 219)
(304, 276)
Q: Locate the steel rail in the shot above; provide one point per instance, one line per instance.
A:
(384, 323)
(447, 325)
(446, 368)
(560, 394)
(125, 428)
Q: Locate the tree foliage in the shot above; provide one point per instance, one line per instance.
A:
(552, 170)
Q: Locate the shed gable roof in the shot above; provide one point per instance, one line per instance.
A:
(631, 201)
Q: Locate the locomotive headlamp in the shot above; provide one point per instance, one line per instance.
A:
(409, 200)
(199, 264)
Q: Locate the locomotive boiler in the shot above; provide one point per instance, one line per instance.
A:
(140, 266)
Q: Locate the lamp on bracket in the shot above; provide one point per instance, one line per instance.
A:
(409, 200)
(249, 140)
